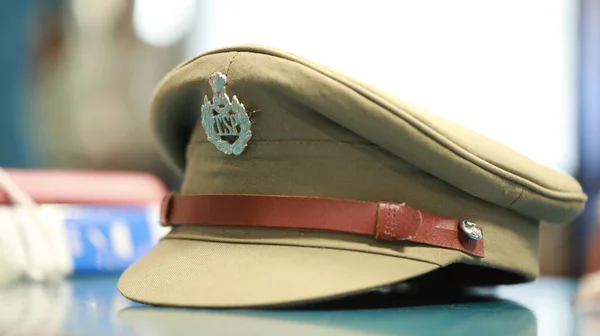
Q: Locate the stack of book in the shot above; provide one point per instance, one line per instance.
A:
(56, 223)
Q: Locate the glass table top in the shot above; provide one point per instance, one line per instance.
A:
(93, 306)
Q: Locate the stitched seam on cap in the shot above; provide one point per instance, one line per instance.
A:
(340, 145)
(387, 228)
(305, 246)
(394, 224)
(230, 62)
(517, 198)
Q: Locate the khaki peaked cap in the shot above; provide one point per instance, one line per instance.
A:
(319, 133)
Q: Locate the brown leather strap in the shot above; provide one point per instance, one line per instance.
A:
(383, 221)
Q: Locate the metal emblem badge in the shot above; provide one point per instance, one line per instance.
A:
(225, 121)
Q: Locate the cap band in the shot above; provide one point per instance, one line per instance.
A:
(386, 221)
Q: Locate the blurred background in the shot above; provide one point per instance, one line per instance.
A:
(77, 76)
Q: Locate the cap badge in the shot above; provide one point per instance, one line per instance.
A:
(225, 121)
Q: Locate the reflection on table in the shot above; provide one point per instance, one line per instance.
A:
(93, 306)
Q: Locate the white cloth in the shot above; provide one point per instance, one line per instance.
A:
(32, 244)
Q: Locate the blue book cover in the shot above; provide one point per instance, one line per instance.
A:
(105, 239)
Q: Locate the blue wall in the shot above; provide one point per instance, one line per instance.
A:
(15, 40)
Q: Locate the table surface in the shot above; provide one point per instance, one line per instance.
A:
(93, 306)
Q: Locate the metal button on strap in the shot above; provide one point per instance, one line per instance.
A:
(471, 229)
